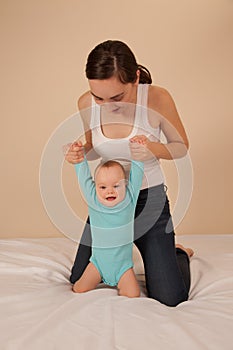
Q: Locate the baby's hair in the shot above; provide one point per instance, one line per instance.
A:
(109, 164)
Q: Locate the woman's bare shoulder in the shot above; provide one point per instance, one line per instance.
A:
(158, 97)
(161, 101)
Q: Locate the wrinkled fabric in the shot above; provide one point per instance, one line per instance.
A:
(39, 310)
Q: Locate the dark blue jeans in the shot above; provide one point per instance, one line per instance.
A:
(167, 271)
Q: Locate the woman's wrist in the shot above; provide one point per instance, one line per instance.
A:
(168, 151)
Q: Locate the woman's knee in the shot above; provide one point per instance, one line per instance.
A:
(169, 299)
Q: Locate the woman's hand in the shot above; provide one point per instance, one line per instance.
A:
(139, 148)
(74, 152)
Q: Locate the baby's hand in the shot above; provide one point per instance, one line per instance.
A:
(139, 148)
(74, 153)
(141, 139)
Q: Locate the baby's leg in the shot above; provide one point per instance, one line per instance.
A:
(128, 285)
(88, 281)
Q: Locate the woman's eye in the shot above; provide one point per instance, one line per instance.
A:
(98, 99)
(118, 99)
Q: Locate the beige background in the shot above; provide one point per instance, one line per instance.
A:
(188, 47)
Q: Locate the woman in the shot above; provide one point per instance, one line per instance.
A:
(121, 106)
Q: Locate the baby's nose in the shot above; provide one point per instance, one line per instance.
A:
(111, 190)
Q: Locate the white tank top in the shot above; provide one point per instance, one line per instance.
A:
(118, 149)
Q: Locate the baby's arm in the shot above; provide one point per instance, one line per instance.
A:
(135, 178)
(85, 179)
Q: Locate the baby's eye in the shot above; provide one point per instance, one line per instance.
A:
(102, 187)
(116, 186)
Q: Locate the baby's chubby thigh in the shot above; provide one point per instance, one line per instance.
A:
(128, 285)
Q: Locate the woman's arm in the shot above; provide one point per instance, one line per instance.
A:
(177, 141)
(160, 101)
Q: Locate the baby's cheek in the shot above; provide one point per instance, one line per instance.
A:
(121, 193)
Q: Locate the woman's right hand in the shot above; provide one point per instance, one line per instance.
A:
(74, 152)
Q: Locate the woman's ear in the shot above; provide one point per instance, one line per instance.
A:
(138, 77)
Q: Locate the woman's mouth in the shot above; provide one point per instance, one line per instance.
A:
(116, 110)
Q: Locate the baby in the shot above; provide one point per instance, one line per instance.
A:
(111, 205)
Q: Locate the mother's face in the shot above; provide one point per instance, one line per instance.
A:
(112, 93)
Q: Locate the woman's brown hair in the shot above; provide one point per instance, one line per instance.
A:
(115, 58)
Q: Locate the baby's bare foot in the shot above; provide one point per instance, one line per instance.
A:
(189, 251)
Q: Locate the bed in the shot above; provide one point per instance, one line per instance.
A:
(40, 312)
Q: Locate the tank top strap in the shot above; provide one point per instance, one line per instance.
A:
(142, 95)
(95, 115)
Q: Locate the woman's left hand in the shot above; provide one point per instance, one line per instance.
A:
(139, 148)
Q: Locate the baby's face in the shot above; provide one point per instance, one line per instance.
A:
(110, 185)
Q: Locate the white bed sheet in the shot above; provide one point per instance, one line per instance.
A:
(39, 311)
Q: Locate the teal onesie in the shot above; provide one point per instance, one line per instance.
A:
(112, 228)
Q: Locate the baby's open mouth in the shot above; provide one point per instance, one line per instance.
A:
(111, 198)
